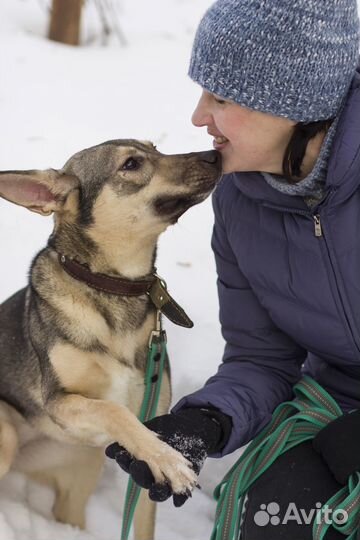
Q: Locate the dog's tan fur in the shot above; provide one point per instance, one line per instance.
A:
(82, 353)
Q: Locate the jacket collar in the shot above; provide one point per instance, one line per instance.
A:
(343, 176)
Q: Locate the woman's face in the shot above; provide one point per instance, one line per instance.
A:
(248, 140)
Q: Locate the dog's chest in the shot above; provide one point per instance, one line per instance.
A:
(125, 385)
(98, 375)
(119, 326)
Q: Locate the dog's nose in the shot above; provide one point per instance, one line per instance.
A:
(211, 156)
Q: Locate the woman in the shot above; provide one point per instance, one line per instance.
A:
(281, 96)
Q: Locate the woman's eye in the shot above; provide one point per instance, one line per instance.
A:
(220, 101)
(130, 164)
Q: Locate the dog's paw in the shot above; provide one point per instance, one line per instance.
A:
(169, 465)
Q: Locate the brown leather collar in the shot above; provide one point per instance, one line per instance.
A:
(154, 287)
(104, 283)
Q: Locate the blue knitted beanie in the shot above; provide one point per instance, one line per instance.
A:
(290, 58)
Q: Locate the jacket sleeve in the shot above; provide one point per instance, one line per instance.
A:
(260, 363)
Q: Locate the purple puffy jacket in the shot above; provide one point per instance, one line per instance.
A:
(289, 289)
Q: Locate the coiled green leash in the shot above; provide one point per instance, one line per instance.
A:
(293, 422)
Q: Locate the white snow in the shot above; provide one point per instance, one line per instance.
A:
(54, 101)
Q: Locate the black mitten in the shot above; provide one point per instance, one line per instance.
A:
(339, 445)
(194, 432)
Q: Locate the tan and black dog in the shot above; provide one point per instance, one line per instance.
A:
(72, 357)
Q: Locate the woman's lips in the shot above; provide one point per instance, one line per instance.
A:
(219, 142)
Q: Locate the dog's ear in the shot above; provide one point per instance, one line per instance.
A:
(43, 192)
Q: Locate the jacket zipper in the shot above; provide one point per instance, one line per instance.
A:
(319, 233)
(318, 228)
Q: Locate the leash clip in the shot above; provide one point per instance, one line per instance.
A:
(157, 333)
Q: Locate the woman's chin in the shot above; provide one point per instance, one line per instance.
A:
(228, 167)
(229, 164)
(232, 166)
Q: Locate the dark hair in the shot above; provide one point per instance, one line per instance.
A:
(295, 151)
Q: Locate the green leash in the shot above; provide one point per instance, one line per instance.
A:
(157, 358)
(293, 422)
(156, 361)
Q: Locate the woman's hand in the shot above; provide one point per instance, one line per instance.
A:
(339, 445)
(194, 432)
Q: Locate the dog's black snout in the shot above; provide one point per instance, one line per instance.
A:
(211, 156)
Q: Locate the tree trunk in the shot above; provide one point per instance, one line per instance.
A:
(65, 21)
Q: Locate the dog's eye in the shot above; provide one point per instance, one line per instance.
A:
(131, 164)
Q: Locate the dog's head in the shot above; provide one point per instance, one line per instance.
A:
(129, 181)
(117, 191)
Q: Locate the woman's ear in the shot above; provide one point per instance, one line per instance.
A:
(43, 192)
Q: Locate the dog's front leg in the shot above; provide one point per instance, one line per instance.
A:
(97, 422)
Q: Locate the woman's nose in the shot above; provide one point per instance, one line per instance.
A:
(201, 115)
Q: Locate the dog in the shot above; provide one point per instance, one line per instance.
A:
(73, 357)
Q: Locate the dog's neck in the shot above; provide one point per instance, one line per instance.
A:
(129, 261)
(123, 259)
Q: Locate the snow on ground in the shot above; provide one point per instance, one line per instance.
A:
(54, 101)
